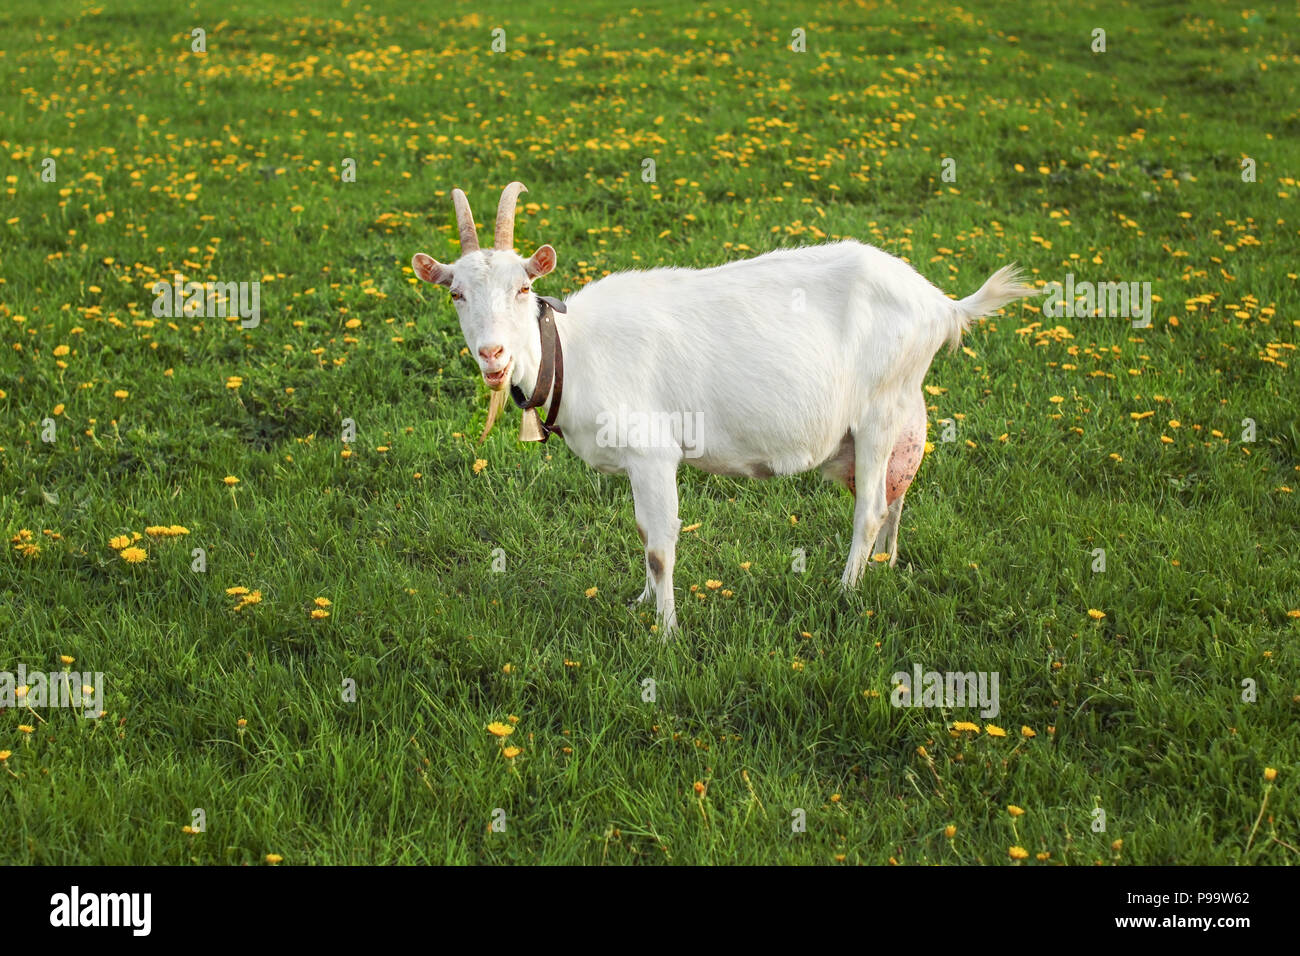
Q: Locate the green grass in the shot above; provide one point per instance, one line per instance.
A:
(225, 166)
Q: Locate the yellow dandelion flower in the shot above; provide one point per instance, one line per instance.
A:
(247, 599)
(510, 753)
(512, 718)
(66, 659)
(1042, 856)
(1027, 732)
(1015, 811)
(1095, 614)
(236, 590)
(5, 755)
(118, 543)
(241, 722)
(319, 614)
(26, 728)
(273, 858)
(699, 787)
(322, 602)
(133, 555)
(994, 731)
(1018, 853)
(966, 726)
(230, 480)
(1056, 399)
(712, 585)
(121, 393)
(508, 669)
(1270, 774)
(744, 565)
(950, 831)
(591, 592)
(479, 464)
(498, 729)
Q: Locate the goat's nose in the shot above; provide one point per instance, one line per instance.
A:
(491, 353)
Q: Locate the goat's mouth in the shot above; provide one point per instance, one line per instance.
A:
(499, 379)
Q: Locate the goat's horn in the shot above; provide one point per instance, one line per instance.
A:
(465, 220)
(506, 215)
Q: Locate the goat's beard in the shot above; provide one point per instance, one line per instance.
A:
(495, 404)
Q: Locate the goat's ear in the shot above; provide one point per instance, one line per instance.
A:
(430, 269)
(542, 262)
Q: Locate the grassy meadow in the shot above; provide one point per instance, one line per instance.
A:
(337, 683)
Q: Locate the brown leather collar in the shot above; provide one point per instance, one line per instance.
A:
(550, 375)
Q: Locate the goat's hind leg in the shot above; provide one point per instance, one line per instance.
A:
(904, 460)
(873, 442)
(887, 539)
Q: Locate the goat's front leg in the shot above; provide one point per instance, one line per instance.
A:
(654, 498)
(648, 591)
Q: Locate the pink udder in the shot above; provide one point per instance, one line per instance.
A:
(908, 451)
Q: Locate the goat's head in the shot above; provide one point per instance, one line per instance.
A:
(492, 292)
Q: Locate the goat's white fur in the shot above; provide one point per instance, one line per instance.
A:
(780, 391)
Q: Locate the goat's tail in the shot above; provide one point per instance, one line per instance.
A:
(1005, 285)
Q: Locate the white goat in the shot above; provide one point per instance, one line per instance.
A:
(794, 360)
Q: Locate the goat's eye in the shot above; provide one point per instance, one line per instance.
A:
(457, 295)
(524, 290)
